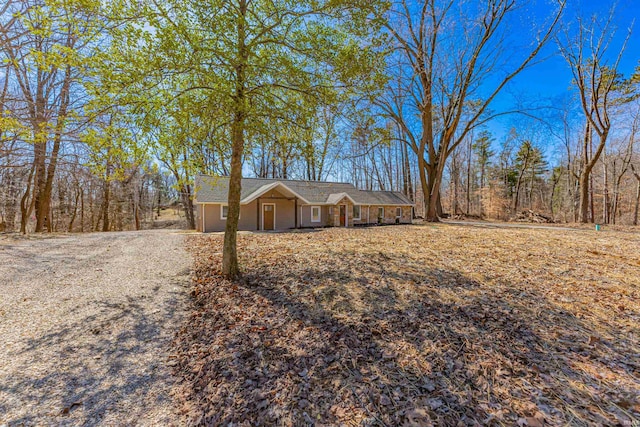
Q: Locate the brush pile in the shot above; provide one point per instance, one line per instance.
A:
(532, 217)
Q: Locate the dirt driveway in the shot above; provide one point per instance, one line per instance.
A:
(85, 323)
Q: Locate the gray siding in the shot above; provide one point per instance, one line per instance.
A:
(285, 209)
(248, 218)
(251, 214)
(305, 219)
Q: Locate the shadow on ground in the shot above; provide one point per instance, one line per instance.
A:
(382, 340)
(102, 368)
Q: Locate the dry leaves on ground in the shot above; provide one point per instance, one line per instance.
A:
(415, 325)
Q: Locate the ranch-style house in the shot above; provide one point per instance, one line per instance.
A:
(281, 204)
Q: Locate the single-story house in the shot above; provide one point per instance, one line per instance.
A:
(281, 204)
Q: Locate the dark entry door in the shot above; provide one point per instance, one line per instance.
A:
(343, 215)
(268, 217)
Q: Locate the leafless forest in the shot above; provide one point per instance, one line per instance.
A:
(79, 152)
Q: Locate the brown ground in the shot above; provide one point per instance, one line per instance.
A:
(416, 325)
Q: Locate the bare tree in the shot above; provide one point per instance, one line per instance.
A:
(636, 174)
(42, 44)
(596, 82)
(450, 47)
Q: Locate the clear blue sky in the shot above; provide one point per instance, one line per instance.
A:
(553, 76)
(549, 82)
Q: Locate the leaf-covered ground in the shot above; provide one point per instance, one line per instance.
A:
(415, 325)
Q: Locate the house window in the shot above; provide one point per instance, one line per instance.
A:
(315, 214)
(224, 211)
(398, 212)
(380, 212)
(356, 212)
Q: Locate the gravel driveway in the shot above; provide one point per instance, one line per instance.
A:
(85, 324)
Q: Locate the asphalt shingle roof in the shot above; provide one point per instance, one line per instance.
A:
(214, 190)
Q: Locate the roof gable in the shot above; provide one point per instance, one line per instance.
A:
(278, 185)
(337, 197)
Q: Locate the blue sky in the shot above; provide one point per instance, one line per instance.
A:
(549, 82)
(553, 76)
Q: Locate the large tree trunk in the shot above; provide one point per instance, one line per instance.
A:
(586, 198)
(434, 205)
(39, 156)
(187, 203)
(230, 267)
(585, 192)
(406, 174)
(229, 252)
(26, 205)
(46, 174)
(423, 183)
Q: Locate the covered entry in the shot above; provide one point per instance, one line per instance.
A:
(268, 216)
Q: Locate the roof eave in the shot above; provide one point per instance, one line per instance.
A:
(259, 192)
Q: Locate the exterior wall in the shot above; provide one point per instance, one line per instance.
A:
(247, 221)
(334, 216)
(285, 219)
(251, 214)
(285, 209)
(390, 214)
(305, 216)
(212, 221)
(248, 217)
(363, 216)
(330, 215)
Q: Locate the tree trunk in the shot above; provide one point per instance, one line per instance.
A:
(230, 267)
(423, 184)
(605, 193)
(434, 206)
(13, 193)
(455, 178)
(45, 175)
(39, 153)
(586, 178)
(469, 176)
(187, 203)
(592, 209)
(75, 211)
(481, 195)
(26, 205)
(105, 203)
(585, 192)
(635, 212)
(406, 174)
(516, 196)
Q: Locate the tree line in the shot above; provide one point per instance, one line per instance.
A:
(109, 110)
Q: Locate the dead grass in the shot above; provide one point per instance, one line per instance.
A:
(416, 325)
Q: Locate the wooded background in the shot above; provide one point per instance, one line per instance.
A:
(110, 110)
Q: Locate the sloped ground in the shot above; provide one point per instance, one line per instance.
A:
(85, 324)
(416, 325)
